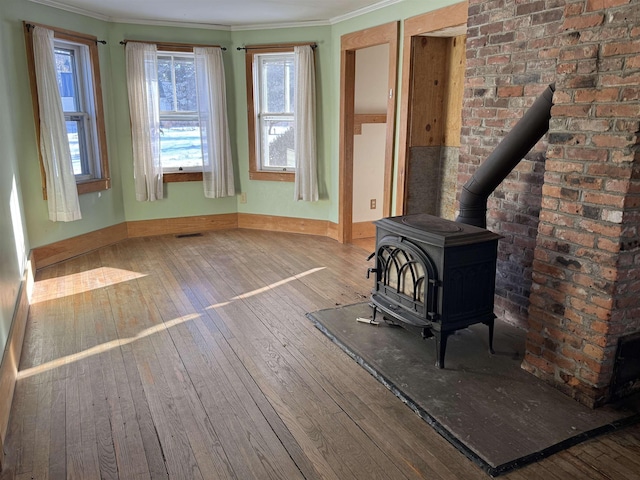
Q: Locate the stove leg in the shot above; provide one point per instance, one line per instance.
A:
(489, 324)
(441, 347)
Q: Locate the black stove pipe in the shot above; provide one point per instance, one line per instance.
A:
(513, 147)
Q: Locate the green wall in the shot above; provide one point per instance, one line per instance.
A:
(98, 210)
(14, 243)
(276, 198)
(183, 199)
(25, 225)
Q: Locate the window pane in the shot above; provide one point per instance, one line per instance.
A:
(180, 144)
(278, 143)
(72, 133)
(185, 84)
(277, 88)
(65, 69)
(165, 84)
(177, 83)
(77, 135)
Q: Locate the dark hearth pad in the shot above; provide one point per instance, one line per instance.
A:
(498, 415)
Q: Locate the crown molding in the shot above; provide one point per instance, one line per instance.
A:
(69, 8)
(364, 10)
(273, 26)
(167, 23)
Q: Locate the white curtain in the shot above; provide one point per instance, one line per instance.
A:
(144, 109)
(217, 165)
(306, 180)
(62, 192)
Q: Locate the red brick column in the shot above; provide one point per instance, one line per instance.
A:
(569, 265)
(585, 290)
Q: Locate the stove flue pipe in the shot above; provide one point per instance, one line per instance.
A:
(513, 147)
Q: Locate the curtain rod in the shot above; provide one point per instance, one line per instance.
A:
(173, 44)
(272, 47)
(29, 26)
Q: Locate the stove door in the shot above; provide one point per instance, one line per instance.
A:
(406, 281)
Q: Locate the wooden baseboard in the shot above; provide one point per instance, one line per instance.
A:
(332, 231)
(283, 224)
(363, 230)
(12, 352)
(181, 225)
(72, 247)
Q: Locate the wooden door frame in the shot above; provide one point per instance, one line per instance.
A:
(349, 43)
(446, 17)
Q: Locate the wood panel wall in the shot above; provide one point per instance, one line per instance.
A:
(456, 63)
(429, 88)
(437, 87)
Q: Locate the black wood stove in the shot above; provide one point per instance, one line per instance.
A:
(434, 275)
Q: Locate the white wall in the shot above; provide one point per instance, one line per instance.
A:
(368, 172)
(368, 148)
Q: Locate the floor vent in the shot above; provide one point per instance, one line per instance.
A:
(187, 235)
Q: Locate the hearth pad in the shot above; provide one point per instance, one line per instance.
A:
(494, 412)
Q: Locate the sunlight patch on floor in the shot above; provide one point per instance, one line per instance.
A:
(75, 283)
(101, 277)
(104, 347)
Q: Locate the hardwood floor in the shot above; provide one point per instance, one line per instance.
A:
(191, 358)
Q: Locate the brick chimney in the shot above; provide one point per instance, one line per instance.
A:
(570, 212)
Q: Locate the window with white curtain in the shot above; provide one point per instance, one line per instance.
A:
(271, 97)
(274, 87)
(180, 144)
(281, 97)
(78, 77)
(178, 110)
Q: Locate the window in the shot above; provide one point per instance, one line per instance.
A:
(177, 107)
(275, 84)
(74, 81)
(78, 75)
(271, 83)
(180, 141)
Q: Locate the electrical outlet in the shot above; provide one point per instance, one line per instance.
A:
(372, 204)
(243, 197)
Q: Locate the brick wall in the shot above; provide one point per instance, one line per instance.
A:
(511, 58)
(570, 212)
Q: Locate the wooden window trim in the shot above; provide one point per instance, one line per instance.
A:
(96, 184)
(254, 162)
(177, 177)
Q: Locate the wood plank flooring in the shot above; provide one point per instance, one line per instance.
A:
(191, 358)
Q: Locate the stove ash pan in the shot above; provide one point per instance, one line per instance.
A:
(434, 275)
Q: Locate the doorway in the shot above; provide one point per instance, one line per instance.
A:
(350, 122)
(433, 64)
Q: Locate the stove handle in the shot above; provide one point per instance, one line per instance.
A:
(371, 256)
(371, 270)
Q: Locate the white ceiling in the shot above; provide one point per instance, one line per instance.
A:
(232, 14)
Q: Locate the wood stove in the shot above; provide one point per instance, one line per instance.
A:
(434, 275)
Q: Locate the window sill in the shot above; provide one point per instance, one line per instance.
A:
(182, 177)
(96, 185)
(273, 176)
